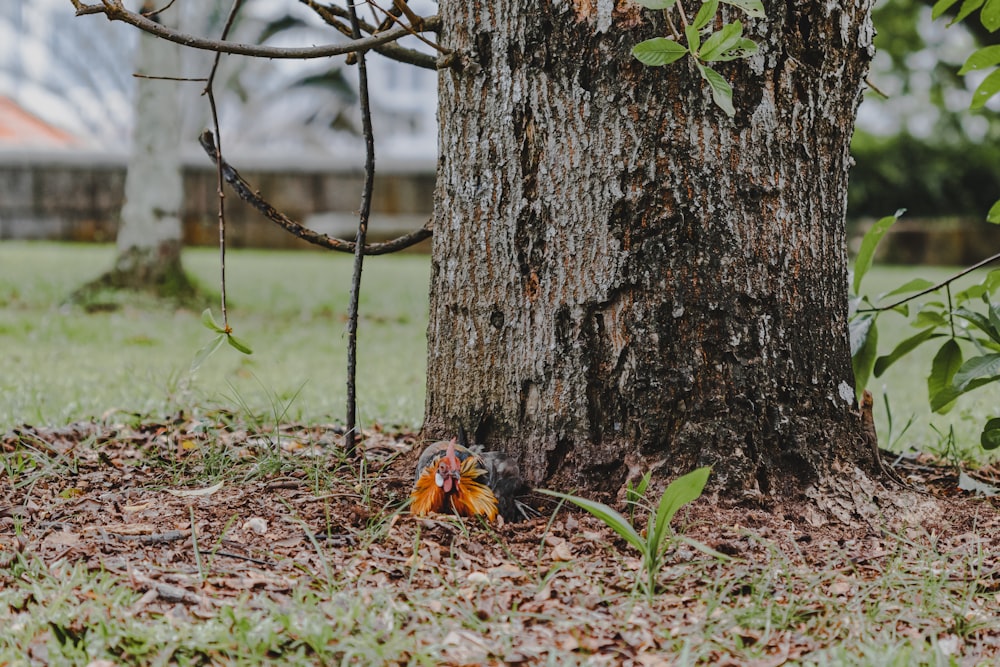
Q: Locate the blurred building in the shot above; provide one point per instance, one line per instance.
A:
(20, 129)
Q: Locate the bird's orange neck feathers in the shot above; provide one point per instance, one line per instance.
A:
(467, 496)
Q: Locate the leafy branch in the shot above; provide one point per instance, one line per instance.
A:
(987, 57)
(956, 319)
(702, 42)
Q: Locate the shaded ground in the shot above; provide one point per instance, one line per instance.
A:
(207, 520)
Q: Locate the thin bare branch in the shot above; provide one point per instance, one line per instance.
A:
(359, 242)
(169, 78)
(248, 194)
(210, 93)
(933, 288)
(331, 14)
(115, 11)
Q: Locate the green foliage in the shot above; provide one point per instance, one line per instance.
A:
(990, 439)
(970, 317)
(931, 177)
(984, 58)
(868, 245)
(703, 43)
(658, 51)
(681, 491)
(634, 494)
(225, 335)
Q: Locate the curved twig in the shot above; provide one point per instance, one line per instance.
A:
(330, 13)
(933, 288)
(115, 11)
(250, 196)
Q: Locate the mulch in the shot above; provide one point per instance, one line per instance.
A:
(120, 496)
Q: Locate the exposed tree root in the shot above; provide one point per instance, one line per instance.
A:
(156, 272)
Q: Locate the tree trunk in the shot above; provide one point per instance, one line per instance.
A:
(150, 232)
(625, 278)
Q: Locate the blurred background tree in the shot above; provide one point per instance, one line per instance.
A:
(919, 147)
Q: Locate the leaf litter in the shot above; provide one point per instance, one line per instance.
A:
(199, 514)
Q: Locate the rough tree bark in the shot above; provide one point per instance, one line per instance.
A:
(624, 278)
(150, 232)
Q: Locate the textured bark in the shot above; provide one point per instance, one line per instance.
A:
(623, 277)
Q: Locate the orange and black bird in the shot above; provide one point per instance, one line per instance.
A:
(453, 478)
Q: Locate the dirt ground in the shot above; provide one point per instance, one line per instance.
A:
(199, 512)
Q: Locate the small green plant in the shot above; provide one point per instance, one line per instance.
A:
(223, 335)
(635, 494)
(680, 492)
(701, 41)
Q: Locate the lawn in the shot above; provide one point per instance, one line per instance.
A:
(210, 518)
(60, 364)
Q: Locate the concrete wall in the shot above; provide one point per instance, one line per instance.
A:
(77, 196)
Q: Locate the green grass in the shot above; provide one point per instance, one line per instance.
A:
(60, 364)
(925, 607)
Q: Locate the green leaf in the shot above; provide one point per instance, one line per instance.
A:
(207, 351)
(975, 371)
(863, 361)
(979, 321)
(721, 41)
(859, 328)
(946, 363)
(940, 7)
(658, 51)
(752, 8)
(722, 92)
(209, 321)
(987, 89)
(868, 245)
(238, 344)
(914, 285)
(693, 38)
(705, 14)
(656, 4)
(993, 315)
(994, 214)
(971, 292)
(992, 280)
(929, 318)
(680, 492)
(990, 438)
(744, 49)
(610, 517)
(904, 348)
(968, 6)
(988, 56)
(633, 494)
(990, 16)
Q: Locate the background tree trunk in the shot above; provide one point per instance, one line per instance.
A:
(150, 232)
(624, 278)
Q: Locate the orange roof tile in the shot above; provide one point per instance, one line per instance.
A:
(20, 128)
